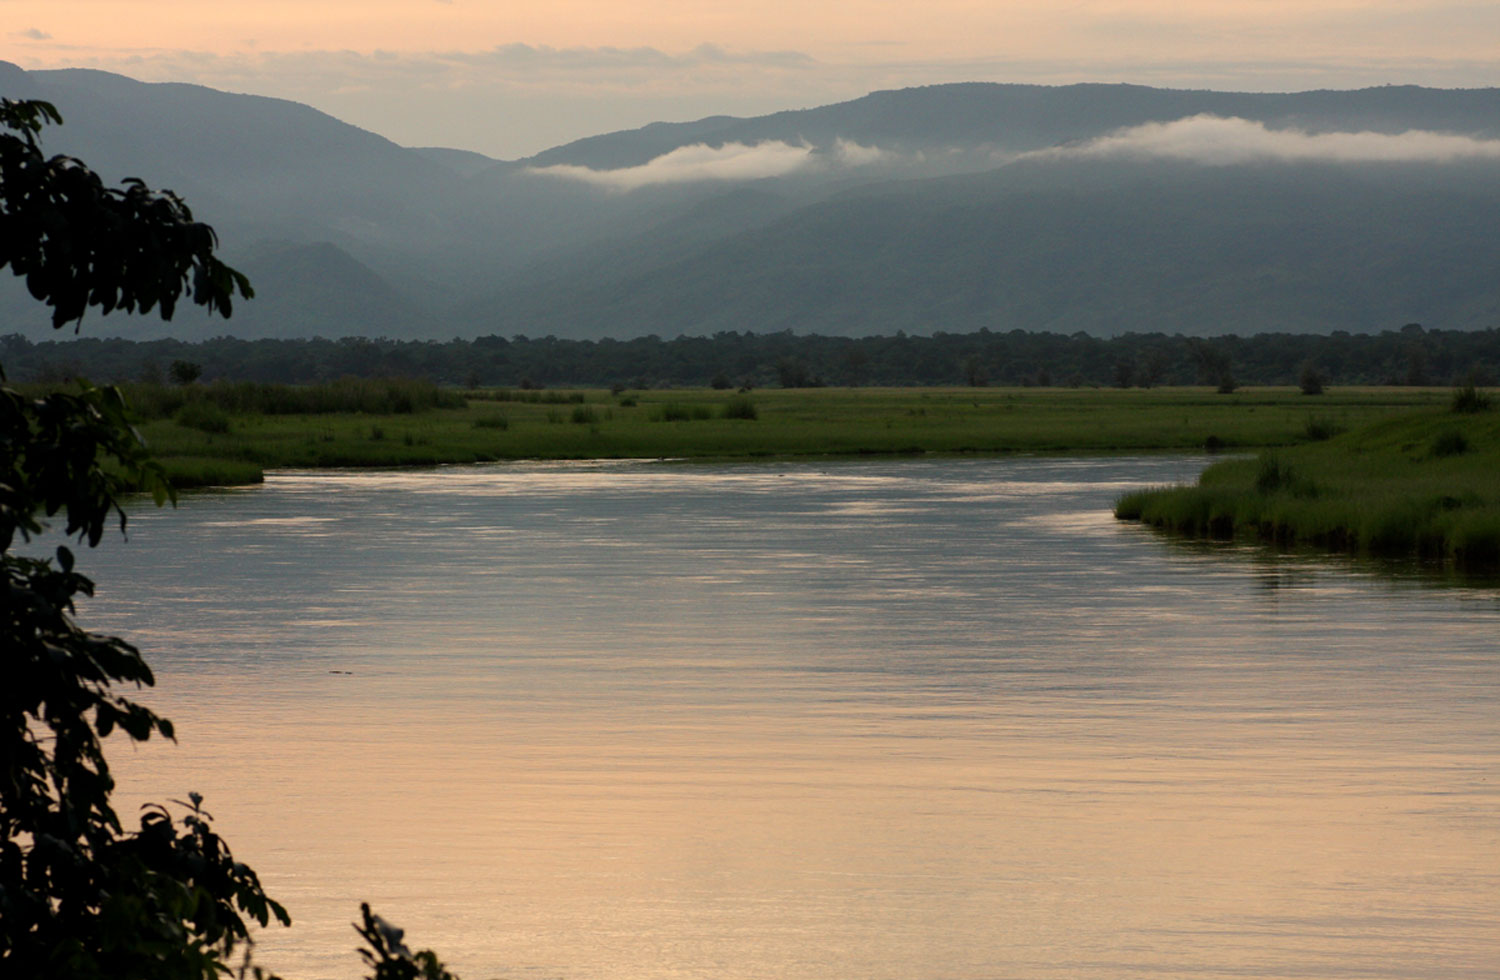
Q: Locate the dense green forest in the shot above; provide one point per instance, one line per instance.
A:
(1408, 356)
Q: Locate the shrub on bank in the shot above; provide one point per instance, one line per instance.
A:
(1468, 399)
(1320, 429)
(370, 396)
(739, 408)
(528, 395)
(1310, 379)
(677, 412)
(189, 472)
(1450, 443)
(1473, 541)
(203, 416)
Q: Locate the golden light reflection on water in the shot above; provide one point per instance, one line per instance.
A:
(985, 738)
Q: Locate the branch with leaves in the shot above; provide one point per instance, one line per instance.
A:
(82, 897)
(79, 243)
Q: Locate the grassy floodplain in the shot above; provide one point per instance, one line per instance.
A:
(1423, 484)
(227, 433)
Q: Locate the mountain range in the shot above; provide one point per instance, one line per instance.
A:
(1096, 208)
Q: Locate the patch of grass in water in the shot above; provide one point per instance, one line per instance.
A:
(189, 472)
(1414, 486)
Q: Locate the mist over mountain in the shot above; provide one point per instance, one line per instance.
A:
(943, 120)
(1096, 208)
(1109, 248)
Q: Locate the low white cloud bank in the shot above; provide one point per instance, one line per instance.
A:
(852, 154)
(731, 161)
(1216, 140)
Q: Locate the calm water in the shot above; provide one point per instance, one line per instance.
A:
(915, 720)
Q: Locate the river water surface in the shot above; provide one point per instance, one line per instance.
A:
(925, 720)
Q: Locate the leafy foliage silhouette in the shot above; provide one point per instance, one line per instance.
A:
(81, 897)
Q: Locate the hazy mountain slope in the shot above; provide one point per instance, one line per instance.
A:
(629, 147)
(306, 290)
(1017, 118)
(681, 233)
(1096, 246)
(268, 170)
(261, 169)
(465, 163)
(344, 232)
(301, 290)
(256, 161)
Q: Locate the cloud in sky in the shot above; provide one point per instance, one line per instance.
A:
(530, 57)
(34, 34)
(514, 65)
(1077, 31)
(1220, 141)
(511, 100)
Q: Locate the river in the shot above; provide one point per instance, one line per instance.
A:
(896, 720)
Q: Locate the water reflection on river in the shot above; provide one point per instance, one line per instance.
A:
(905, 720)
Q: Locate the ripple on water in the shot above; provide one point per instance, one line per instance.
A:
(880, 720)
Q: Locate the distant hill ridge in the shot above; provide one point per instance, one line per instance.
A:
(958, 207)
(1030, 117)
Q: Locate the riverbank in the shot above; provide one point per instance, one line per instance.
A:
(226, 435)
(1424, 484)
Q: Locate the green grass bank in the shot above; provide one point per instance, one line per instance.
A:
(1423, 484)
(229, 433)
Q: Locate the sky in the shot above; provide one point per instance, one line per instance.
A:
(510, 79)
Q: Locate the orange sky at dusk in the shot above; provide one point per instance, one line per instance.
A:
(510, 78)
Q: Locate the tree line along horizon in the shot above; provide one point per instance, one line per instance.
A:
(1410, 355)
